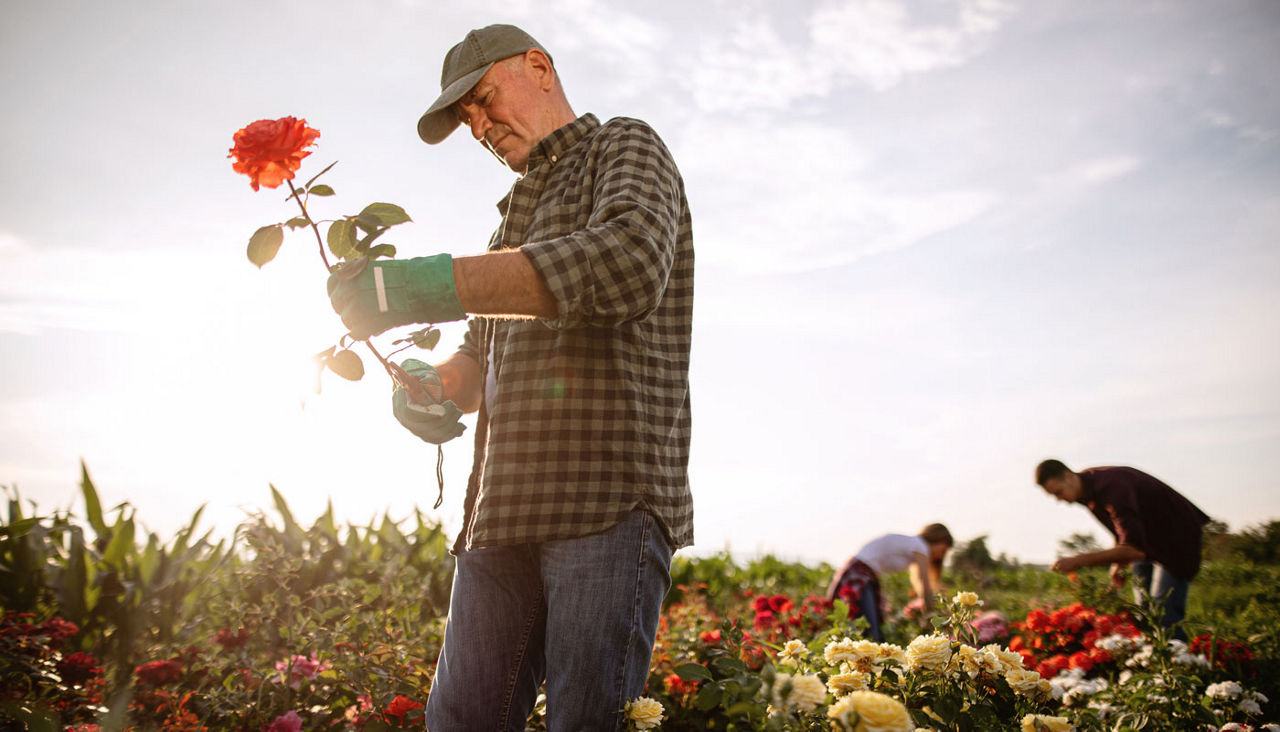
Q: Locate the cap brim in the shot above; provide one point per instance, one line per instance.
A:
(439, 121)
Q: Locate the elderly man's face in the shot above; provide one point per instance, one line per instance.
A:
(505, 111)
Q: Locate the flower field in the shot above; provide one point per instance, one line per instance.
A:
(286, 627)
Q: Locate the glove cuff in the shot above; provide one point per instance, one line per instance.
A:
(433, 297)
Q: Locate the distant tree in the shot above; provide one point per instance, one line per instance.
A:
(1078, 543)
(1260, 543)
(972, 559)
(1219, 542)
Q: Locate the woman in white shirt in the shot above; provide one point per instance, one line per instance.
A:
(858, 582)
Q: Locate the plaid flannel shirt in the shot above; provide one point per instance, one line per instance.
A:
(591, 415)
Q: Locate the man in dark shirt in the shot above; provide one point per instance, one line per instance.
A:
(1157, 530)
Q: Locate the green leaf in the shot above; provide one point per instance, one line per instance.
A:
(320, 190)
(387, 214)
(121, 542)
(708, 697)
(92, 506)
(265, 243)
(693, 672)
(297, 222)
(19, 528)
(342, 238)
(426, 338)
(382, 250)
(346, 364)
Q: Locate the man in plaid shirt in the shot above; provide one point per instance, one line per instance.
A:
(578, 365)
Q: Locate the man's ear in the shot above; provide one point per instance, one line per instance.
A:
(539, 64)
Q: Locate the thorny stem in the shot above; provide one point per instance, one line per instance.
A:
(396, 373)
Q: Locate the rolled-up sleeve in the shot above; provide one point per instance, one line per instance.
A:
(616, 268)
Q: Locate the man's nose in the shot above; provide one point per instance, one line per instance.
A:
(479, 123)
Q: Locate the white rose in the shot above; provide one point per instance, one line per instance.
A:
(841, 684)
(875, 713)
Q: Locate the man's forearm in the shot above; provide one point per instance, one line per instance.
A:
(1120, 554)
(502, 283)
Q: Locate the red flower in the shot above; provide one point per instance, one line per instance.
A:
(78, 668)
(58, 629)
(158, 673)
(676, 685)
(229, 640)
(287, 722)
(710, 637)
(399, 707)
(270, 151)
(1080, 660)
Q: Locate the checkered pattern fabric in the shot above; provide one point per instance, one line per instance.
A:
(591, 417)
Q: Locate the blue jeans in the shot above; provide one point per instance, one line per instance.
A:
(869, 603)
(580, 614)
(1164, 588)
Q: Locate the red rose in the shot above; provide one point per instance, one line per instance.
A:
(1080, 660)
(401, 706)
(710, 637)
(158, 673)
(78, 668)
(270, 151)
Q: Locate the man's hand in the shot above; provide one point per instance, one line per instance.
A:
(1117, 575)
(436, 422)
(1067, 564)
(372, 296)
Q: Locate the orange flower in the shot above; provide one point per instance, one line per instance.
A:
(270, 151)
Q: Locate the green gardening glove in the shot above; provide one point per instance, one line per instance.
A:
(436, 422)
(372, 296)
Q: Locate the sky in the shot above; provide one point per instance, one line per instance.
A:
(937, 242)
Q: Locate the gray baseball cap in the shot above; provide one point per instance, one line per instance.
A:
(464, 65)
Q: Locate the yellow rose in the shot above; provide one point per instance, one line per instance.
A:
(968, 599)
(1044, 723)
(790, 652)
(1026, 683)
(1009, 659)
(807, 692)
(931, 652)
(873, 712)
(841, 684)
(644, 712)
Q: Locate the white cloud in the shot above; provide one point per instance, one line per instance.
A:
(815, 206)
(873, 43)
(1084, 174)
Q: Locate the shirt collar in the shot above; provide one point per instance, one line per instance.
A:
(553, 146)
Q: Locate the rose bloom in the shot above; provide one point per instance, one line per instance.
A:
(1009, 659)
(841, 684)
(859, 654)
(158, 673)
(269, 151)
(300, 668)
(929, 652)
(78, 668)
(875, 713)
(1024, 681)
(1045, 723)
(644, 713)
(793, 650)
(967, 599)
(287, 722)
(401, 706)
(805, 692)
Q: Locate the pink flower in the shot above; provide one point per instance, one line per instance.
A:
(287, 722)
(297, 669)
